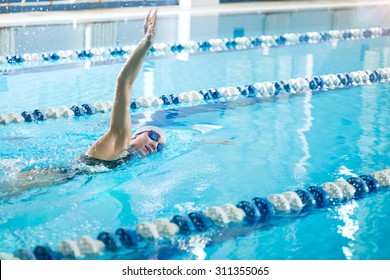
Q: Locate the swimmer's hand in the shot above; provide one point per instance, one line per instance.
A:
(150, 25)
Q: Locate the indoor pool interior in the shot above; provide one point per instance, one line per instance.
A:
(251, 142)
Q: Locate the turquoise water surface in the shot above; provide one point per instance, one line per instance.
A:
(216, 154)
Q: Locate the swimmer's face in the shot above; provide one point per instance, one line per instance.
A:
(147, 142)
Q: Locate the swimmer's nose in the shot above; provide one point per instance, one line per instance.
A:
(154, 146)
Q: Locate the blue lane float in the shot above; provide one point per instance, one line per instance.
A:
(371, 183)
(127, 237)
(46, 253)
(359, 185)
(24, 254)
(260, 90)
(184, 223)
(307, 199)
(266, 209)
(111, 241)
(211, 45)
(320, 196)
(256, 212)
(200, 221)
(251, 211)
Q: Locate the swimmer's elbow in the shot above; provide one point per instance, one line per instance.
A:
(122, 80)
(125, 78)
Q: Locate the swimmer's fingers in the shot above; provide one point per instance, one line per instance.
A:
(151, 26)
(146, 21)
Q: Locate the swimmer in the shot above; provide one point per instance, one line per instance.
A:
(118, 145)
(118, 142)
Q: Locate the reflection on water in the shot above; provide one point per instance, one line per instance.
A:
(346, 214)
(300, 169)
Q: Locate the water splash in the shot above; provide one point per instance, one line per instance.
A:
(343, 170)
(351, 226)
(11, 167)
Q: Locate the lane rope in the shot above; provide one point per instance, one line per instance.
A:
(191, 47)
(261, 90)
(257, 210)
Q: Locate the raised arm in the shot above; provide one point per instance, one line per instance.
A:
(118, 137)
(120, 116)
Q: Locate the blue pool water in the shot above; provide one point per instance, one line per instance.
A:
(216, 154)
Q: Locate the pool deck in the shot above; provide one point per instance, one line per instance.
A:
(98, 15)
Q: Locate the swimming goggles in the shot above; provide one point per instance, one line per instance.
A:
(155, 136)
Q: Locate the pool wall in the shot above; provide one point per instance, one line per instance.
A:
(61, 31)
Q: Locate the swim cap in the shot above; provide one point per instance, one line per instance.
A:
(163, 135)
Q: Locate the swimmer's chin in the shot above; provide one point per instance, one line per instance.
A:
(136, 151)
